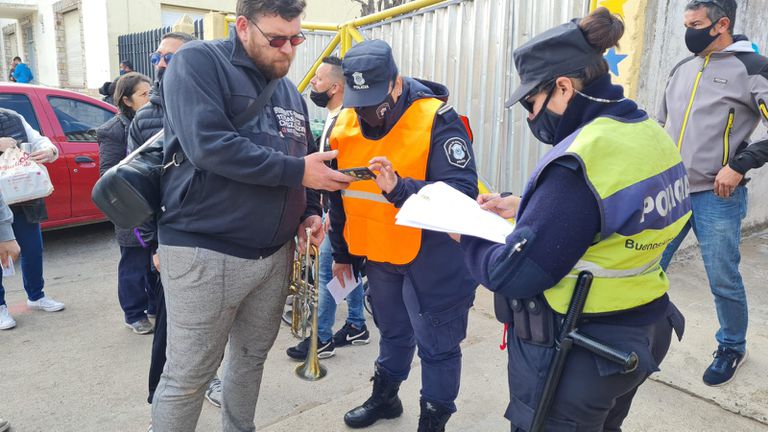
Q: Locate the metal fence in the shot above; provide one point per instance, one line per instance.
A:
(137, 47)
(467, 45)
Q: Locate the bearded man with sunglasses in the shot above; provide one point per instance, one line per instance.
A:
(232, 205)
(713, 102)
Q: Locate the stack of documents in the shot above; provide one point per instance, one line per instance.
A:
(439, 207)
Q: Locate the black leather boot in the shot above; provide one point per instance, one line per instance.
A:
(383, 403)
(433, 417)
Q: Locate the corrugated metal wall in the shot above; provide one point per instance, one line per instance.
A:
(467, 45)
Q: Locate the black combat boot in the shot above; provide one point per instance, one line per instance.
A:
(383, 403)
(433, 417)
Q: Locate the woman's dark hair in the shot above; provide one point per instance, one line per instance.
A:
(603, 30)
(126, 87)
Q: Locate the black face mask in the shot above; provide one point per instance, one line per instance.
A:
(376, 116)
(545, 124)
(160, 72)
(697, 40)
(320, 99)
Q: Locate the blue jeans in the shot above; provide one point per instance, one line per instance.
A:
(136, 283)
(716, 222)
(30, 240)
(326, 308)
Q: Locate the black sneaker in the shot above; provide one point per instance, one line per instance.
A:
(723, 368)
(350, 335)
(324, 350)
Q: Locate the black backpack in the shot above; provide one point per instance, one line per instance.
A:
(129, 193)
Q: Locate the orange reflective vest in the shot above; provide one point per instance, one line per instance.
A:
(370, 228)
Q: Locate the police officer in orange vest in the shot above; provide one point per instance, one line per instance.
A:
(420, 289)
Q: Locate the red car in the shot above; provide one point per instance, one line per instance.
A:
(69, 120)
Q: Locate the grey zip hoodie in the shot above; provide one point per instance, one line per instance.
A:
(711, 107)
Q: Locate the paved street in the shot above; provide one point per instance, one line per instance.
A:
(83, 370)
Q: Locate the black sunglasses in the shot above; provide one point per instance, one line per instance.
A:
(528, 105)
(156, 57)
(279, 41)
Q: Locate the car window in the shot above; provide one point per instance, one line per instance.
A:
(79, 119)
(22, 105)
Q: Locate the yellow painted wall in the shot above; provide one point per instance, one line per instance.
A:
(331, 11)
(133, 16)
(632, 44)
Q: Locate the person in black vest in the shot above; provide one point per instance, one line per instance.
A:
(14, 131)
(134, 274)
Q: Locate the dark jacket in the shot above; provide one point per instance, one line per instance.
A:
(113, 147)
(239, 190)
(560, 219)
(438, 271)
(146, 123)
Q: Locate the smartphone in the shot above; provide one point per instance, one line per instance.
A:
(361, 173)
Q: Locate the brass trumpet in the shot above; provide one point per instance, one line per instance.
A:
(305, 298)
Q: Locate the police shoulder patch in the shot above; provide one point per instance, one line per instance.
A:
(457, 152)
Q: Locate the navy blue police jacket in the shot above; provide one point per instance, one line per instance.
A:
(438, 272)
(238, 190)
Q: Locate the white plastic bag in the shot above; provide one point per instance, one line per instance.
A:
(22, 179)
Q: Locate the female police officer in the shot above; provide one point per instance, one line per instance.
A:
(607, 199)
(419, 286)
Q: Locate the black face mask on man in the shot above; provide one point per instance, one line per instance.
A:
(376, 116)
(545, 124)
(320, 99)
(697, 40)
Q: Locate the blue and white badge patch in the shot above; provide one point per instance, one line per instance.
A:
(457, 152)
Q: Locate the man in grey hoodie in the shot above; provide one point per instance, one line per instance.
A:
(713, 103)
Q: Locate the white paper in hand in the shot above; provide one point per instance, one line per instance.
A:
(8, 269)
(439, 207)
(339, 292)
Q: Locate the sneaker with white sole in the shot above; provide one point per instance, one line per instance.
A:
(4, 424)
(351, 335)
(46, 304)
(324, 349)
(724, 367)
(142, 326)
(213, 392)
(6, 323)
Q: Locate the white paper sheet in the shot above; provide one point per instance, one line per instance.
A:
(338, 292)
(439, 207)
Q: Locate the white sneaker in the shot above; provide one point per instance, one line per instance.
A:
(47, 304)
(6, 323)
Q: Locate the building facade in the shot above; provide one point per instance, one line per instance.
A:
(73, 43)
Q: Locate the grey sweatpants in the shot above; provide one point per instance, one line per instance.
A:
(213, 298)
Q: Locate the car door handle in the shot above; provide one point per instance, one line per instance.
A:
(83, 160)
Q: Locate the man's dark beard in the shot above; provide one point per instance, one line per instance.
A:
(270, 71)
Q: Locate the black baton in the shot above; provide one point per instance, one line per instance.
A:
(567, 338)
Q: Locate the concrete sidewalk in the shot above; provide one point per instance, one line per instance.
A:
(82, 370)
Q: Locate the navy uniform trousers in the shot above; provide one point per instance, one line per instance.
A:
(409, 315)
(593, 396)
